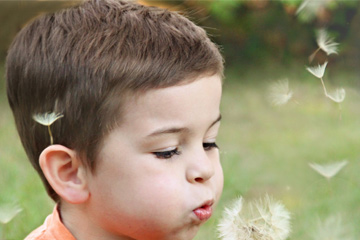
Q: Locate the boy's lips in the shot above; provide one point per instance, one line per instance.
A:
(204, 212)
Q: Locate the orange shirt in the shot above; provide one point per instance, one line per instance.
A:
(52, 229)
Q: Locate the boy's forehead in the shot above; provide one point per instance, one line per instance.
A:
(187, 97)
(184, 110)
(136, 94)
(182, 87)
(139, 104)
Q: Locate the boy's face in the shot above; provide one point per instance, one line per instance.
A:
(158, 175)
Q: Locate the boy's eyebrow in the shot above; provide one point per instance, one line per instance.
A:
(216, 121)
(178, 130)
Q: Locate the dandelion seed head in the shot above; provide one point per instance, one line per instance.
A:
(265, 219)
(8, 212)
(318, 71)
(280, 93)
(47, 118)
(338, 96)
(329, 170)
(228, 226)
(326, 43)
(275, 215)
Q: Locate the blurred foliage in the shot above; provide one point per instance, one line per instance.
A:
(251, 32)
(263, 149)
(256, 31)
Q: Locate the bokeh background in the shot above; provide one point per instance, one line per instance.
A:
(265, 149)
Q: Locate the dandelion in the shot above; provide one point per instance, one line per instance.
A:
(280, 93)
(309, 8)
(329, 170)
(338, 96)
(8, 212)
(265, 219)
(318, 71)
(230, 226)
(325, 43)
(332, 228)
(302, 6)
(47, 119)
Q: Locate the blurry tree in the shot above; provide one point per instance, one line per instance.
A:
(254, 31)
(250, 31)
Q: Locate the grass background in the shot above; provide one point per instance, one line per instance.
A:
(264, 150)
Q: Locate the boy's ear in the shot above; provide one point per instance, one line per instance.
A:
(65, 173)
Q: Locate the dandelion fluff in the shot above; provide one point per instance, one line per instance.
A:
(8, 212)
(332, 228)
(302, 6)
(318, 71)
(280, 93)
(228, 227)
(329, 170)
(264, 219)
(326, 43)
(308, 9)
(338, 96)
(47, 119)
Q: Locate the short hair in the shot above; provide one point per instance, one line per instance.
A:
(83, 61)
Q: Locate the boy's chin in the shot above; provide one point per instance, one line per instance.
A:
(188, 234)
(184, 234)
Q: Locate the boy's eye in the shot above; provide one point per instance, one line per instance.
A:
(209, 146)
(167, 154)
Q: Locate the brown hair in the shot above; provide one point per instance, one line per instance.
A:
(82, 61)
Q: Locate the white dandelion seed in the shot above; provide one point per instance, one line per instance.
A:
(329, 170)
(318, 71)
(302, 6)
(309, 8)
(265, 219)
(338, 96)
(332, 228)
(280, 93)
(8, 212)
(47, 119)
(326, 43)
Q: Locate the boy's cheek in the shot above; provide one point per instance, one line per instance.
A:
(222, 183)
(219, 183)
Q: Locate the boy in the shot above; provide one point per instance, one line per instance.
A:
(139, 88)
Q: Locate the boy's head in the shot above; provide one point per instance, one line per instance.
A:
(158, 174)
(90, 62)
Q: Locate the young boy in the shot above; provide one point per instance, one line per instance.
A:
(134, 155)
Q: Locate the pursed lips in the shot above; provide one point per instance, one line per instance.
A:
(204, 211)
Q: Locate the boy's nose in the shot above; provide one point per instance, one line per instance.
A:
(201, 168)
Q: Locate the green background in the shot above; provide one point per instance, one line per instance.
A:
(264, 149)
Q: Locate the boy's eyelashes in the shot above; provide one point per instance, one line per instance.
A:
(167, 154)
(175, 151)
(210, 145)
